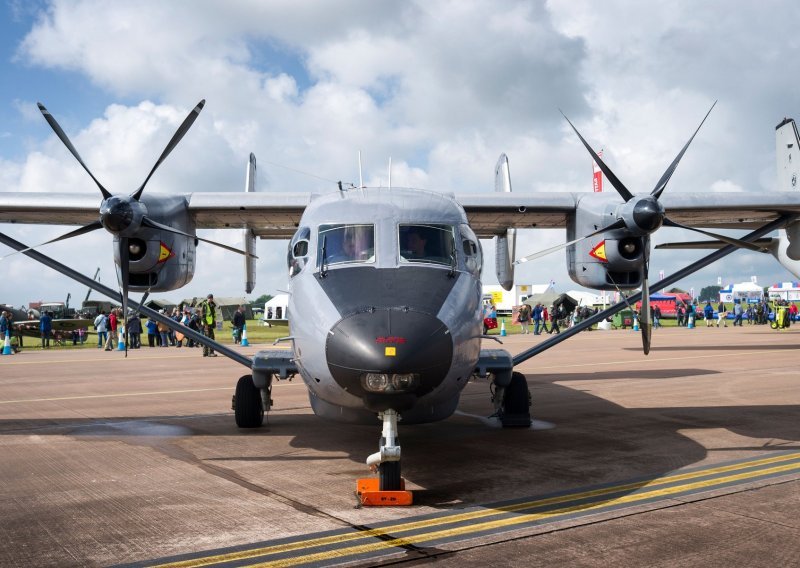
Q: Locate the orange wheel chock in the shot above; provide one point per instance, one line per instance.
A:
(370, 495)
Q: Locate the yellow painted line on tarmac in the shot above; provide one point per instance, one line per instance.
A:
(504, 523)
(647, 489)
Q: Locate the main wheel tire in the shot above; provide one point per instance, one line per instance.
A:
(389, 476)
(516, 402)
(248, 409)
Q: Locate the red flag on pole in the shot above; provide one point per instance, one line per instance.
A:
(597, 175)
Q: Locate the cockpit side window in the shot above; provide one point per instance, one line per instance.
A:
(297, 255)
(473, 255)
(346, 243)
(426, 243)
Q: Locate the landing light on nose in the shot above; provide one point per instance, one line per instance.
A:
(388, 383)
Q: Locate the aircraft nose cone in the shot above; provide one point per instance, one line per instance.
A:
(409, 352)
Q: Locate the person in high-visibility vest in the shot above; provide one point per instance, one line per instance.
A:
(208, 317)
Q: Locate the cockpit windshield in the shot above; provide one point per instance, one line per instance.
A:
(426, 243)
(346, 243)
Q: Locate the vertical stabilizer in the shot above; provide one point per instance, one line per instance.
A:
(788, 155)
(248, 235)
(505, 246)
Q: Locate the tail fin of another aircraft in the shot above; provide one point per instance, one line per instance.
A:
(787, 152)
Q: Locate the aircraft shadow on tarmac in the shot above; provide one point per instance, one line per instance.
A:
(463, 461)
(639, 374)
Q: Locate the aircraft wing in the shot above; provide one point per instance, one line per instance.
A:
(276, 215)
(492, 214)
(269, 215)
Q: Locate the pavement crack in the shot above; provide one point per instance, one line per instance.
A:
(176, 452)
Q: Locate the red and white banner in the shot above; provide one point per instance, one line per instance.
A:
(597, 175)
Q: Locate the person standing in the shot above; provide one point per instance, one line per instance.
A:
(101, 326)
(737, 313)
(523, 316)
(46, 327)
(537, 318)
(112, 329)
(5, 325)
(238, 324)
(708, 314)
(680, 314)
(163, 330)
(722, 314)
(152, 332)
(557, 315)
(656, 311)
(208, 317)
(134, 326)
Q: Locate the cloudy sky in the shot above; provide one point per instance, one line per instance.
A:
(440, 87)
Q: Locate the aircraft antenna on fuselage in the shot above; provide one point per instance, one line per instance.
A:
(360, 177)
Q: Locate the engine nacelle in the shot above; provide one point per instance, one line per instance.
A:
(608, 261)
(161, 261)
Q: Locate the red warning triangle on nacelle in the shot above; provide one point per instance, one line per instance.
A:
(165, 253)
(599, 252)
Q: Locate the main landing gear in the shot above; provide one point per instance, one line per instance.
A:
(511, 397)
(389, 487)
(253, 396)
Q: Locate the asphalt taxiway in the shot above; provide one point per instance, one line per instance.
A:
(690, 456)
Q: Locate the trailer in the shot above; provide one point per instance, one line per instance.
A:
(505, 300)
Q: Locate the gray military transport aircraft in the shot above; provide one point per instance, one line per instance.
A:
(385, 292)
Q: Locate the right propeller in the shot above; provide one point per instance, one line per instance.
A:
(641, 215)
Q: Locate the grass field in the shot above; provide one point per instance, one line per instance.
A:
(256, 334)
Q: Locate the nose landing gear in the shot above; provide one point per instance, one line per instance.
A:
(389, 488)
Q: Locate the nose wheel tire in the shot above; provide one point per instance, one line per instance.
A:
(389, 475)
(247, 405)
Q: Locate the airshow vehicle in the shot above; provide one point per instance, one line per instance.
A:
(384, 283)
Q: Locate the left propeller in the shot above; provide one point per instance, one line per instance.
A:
(124, 215)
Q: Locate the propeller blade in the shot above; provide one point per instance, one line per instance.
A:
(147, 222)
(728, 240)
(523, 356)
(765, 244)
(645, 322)
(662, 183)
(618, 185)
(182, 129)
(63, 137)
(124, 259)
(79, 231)
(618, 224)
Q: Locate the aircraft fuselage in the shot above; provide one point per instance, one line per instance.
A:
(379, 321)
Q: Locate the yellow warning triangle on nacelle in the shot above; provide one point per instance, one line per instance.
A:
(164, 254)
(599, 252)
